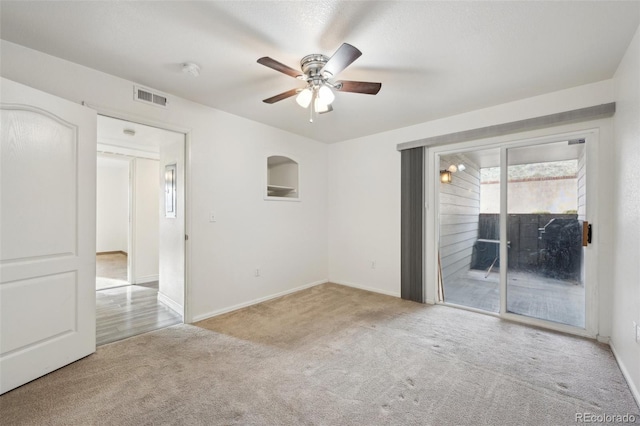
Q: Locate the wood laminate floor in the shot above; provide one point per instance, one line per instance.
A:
(123, 312)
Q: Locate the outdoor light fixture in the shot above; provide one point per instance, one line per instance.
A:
(459, 168)
(445, 176)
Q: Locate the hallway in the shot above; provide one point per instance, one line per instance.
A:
(124, 310)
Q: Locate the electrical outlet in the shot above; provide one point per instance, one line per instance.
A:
(373, 264)
(212, 216)
(257, 272)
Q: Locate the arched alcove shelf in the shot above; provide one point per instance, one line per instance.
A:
(282, 178)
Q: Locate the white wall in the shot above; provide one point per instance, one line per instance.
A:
(112, 205)
(286, 240)
(528, 196)
(145, 217)
(364, 218)
(626, 208)
(364, 190)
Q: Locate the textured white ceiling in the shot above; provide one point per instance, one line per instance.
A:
(434, 59)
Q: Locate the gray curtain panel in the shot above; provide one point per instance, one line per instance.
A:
(412, 225)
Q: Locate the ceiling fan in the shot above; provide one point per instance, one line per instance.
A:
(318, 71)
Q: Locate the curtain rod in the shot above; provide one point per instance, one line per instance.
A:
(573, 116)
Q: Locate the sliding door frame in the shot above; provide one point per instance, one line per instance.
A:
(432, 157)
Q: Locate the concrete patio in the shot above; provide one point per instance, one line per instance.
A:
(528, 294)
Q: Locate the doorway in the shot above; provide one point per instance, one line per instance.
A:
(510, 241)
(152, 296)
(112, 220)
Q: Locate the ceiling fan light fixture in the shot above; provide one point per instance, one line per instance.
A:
(320, 105)
(304, 98)
(317, 71)
(326, 94)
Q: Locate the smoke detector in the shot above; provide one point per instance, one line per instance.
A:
(191, 68)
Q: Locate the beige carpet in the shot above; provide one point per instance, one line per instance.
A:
(105, 283)
(111, 270)
(333, 355)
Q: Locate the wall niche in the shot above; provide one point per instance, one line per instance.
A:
(282, 178)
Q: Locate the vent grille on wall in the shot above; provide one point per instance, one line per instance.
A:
(148, 96)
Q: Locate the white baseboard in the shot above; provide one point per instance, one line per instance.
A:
(603, 339)
(363, 287)
(632, 386)
(217, 312)
(146, 279)
(175, 306)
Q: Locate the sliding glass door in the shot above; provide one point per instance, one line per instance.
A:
(510, 229)
(546, 206)
(469, 244)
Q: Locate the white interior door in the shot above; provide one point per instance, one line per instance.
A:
(48, 234)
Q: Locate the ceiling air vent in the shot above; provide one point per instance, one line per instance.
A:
(148, 96)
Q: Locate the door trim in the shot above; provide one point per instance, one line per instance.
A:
(186, 131)
(592, 133)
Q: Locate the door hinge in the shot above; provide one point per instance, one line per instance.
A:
(186, 237)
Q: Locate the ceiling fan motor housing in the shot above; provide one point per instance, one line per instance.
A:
(311, 65)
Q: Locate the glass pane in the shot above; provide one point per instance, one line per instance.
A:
(546, 204)
(469, 229)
